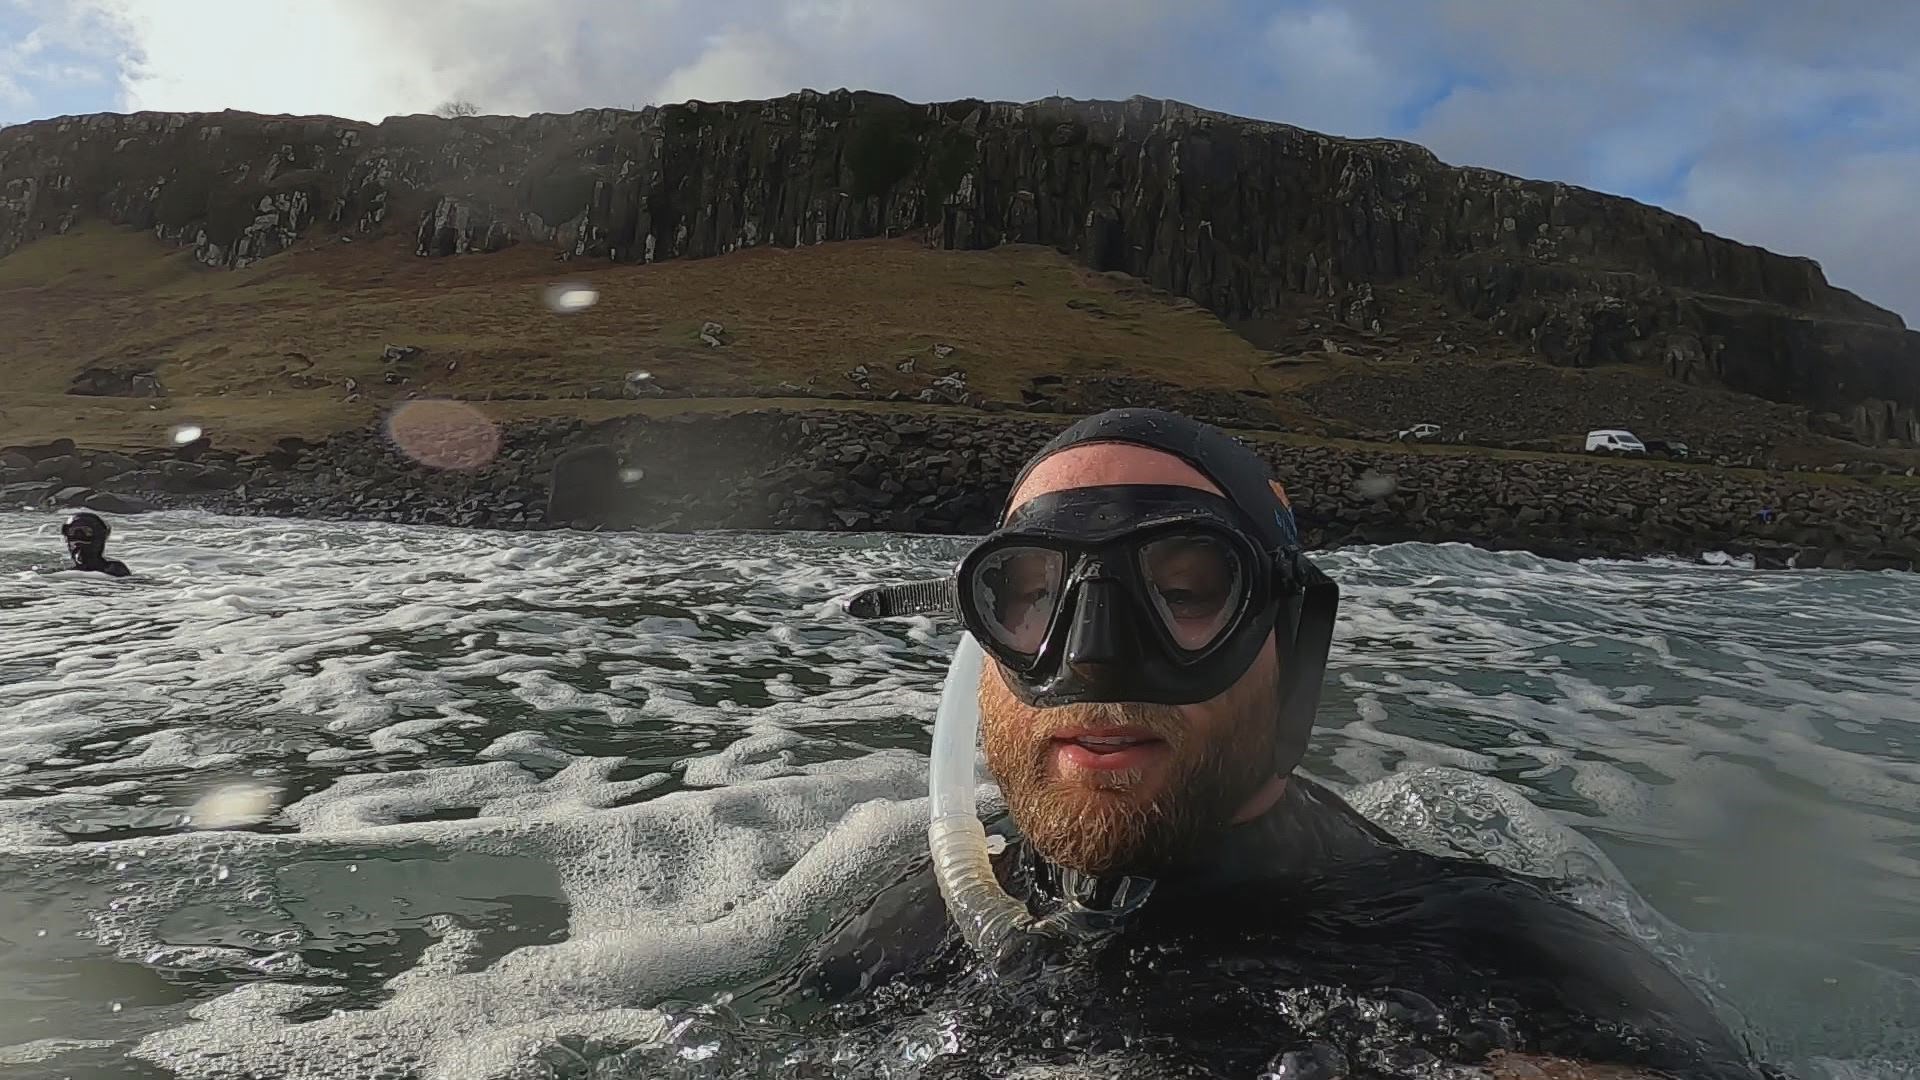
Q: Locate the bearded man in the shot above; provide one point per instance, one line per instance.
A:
(1157, 642)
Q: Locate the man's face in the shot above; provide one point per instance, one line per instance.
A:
(1186, 769)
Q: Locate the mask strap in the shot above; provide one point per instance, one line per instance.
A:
(1306, 637)
(939, 596)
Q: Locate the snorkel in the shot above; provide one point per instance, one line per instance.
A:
(987, 917)
(993, 923)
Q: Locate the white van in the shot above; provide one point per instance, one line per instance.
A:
(1613, 441)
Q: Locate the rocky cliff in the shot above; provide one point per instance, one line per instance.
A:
(1256, 221)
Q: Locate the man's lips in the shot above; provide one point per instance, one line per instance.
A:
(1107, 749)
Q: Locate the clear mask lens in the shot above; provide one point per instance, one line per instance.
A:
(1016, 591)
(1197, 583)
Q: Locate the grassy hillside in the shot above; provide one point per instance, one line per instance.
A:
(267, 351)
(292, 346)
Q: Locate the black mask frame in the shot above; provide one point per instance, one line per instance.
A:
(1104, 640)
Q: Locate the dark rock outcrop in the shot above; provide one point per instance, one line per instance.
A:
(106, 502)
(116, 382)
(1247, 218)
(25, 494)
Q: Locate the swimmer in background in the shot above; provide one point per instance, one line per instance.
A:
(1155, 645)
(86, 534)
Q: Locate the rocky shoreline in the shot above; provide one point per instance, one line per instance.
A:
(948, 472)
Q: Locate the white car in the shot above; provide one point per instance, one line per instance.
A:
(1613, 441)
(1418, 431)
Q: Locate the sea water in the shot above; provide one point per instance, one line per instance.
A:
(339, 801)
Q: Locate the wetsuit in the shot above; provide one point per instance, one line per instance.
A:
(1308, 931)
(110, 567)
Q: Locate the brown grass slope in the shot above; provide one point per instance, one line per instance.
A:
(265, 352)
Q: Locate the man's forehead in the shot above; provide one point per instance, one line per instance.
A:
(1098, 464)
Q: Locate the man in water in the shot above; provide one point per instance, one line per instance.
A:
(1157, 643)
(86, 535)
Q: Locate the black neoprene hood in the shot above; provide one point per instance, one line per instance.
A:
(1237, 471)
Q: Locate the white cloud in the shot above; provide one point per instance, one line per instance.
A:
(205, 55)
(1327, 75)
(64, 47)
(735, 65)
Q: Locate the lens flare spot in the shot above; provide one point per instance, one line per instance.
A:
(566, 299)
(443, 434)
(182, 434)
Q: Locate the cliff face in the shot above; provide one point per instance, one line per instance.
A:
(1250, 219)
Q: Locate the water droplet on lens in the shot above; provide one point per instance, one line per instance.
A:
(1375, 485)
(236, 804)
(565, 299)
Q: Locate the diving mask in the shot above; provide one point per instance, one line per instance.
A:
(1132, 593)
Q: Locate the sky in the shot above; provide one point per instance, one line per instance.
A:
(1784, 123)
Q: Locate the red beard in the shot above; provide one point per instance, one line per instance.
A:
(1121, 822)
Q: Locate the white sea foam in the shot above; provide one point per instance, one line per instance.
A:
(546, 782)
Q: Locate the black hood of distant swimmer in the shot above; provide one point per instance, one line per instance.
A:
(86, 536)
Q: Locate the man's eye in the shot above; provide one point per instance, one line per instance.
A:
(1192, 602)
